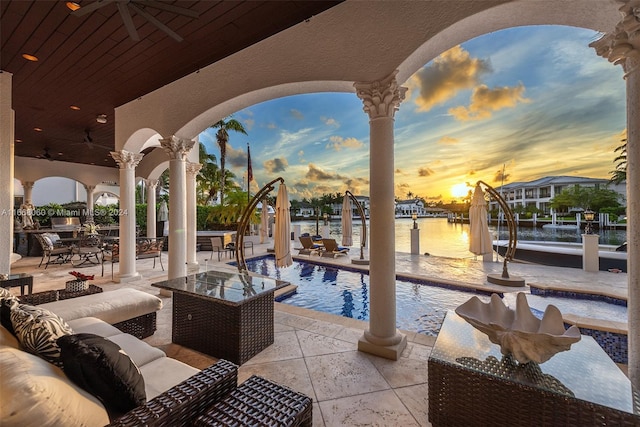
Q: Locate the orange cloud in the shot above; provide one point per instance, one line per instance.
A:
(452, 71)
(338, 143)
(425, 172)
(276, 165)
(484, 101)
(447, 140)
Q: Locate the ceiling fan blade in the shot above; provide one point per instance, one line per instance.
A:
(91, 7)
(128, 22)
(155, 22)
(169, 8)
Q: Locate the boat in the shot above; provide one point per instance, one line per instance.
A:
(561, 226)
(565, 254)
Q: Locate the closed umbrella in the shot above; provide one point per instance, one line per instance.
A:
(347, 223)
(480, 238)
(163, 212)
(283, 229)
(163, 216)
(264, 222)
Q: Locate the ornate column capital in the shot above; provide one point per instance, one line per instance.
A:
(622, 46)
(27, 185)
(89, 188)
(381, 98)
(176, 148)
(193, 169)
(126, 159)
(151, 183)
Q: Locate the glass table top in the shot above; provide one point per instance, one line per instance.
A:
(585, 371)
(228, 286)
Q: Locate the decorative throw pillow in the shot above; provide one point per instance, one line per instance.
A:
(7, 302)
(103, 369)
(38, 329)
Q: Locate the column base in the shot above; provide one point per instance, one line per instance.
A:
(193, 267)
(126, 278)
(390, 351)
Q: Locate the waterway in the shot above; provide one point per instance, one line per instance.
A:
(438, 237)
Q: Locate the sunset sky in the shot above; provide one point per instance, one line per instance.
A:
(537, 100)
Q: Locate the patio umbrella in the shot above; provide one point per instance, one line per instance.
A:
(347, 223)
(163, 212)
(283, 227)
(163, 216)
(480, 238)
(264, 222)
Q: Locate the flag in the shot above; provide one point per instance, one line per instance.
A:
(249, 168)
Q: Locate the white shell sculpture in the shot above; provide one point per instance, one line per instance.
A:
(519, 332)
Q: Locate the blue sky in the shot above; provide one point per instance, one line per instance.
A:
(537, 100)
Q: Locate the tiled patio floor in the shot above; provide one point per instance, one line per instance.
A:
(315, 353)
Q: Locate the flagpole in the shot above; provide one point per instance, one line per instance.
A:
(249, 175)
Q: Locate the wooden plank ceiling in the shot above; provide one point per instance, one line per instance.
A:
(91, 62)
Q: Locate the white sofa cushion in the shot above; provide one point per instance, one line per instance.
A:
(111, 306)
(139, 351)
(162, 374)
(35, 392)
(93, 325)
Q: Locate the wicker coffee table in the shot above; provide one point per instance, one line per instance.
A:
(472, 383)
(227, 315)
(57, 294)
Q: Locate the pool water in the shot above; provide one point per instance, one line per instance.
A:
(420, 307)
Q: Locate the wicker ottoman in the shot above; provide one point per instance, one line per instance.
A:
(259, 401)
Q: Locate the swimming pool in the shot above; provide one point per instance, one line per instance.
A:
(345, 292)
(420, 306)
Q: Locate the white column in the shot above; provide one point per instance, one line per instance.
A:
(90, 189)
(151, 206)
(127, 162)
(622, 46)
(177, 150)
(28, 191)
(7, 129)
(192, 171)
(381, 100)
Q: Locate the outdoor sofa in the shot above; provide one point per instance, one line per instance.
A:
(87, 372)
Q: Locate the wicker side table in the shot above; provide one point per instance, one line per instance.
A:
(259, 402)
(22, 279)
(472, 383)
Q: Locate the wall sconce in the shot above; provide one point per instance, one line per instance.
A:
(414, 217)
(589, 215)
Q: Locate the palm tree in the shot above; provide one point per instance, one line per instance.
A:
(222, 137)
(208, 179)
(620, 173)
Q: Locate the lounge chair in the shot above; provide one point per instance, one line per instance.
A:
(331, 248)
(308, 247)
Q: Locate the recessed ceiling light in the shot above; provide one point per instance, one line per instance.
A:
(75, 107)
(38, 129)
(92, 163)
(72, 5)
(29, 57)
(60, 153)
(18, 140)
(102, 118)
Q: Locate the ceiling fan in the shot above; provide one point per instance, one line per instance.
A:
(139, 7)
(46, 155)
(88, 141)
